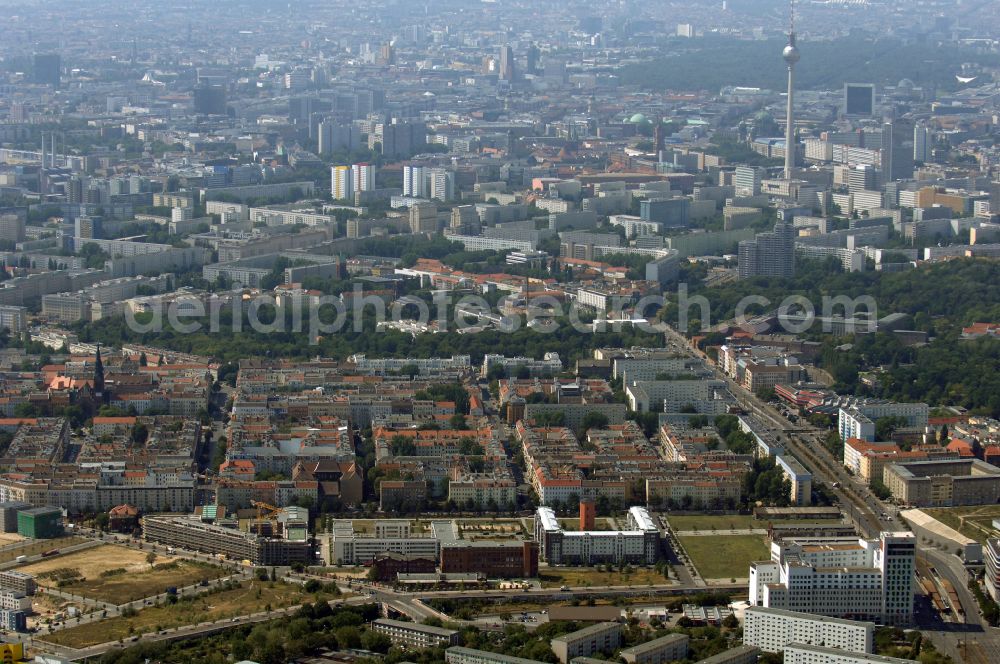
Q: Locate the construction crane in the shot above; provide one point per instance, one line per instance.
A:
(272, 511)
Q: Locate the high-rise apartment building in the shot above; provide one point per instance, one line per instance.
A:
(863, 177)
(896, 558)
(333, 137)
(423, 218)
(362, 177)
(398, 139)
(859, 99)
(897, 150)
(367, 102)
(465, 220)
(442, 184)
(415, 181)
(341, 183)
(14, 318)
(47, 68)
(11, 227)
(923, 143)
(747, 179)
(88, 227)
(209, 100)
(770, 254)
(534, 55)
(507, 63)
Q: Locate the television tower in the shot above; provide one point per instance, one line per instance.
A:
(791, 56)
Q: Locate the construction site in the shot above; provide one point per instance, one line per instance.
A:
(270, 536)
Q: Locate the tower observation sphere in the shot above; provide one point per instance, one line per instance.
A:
(791, 54)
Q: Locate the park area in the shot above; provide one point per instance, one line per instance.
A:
(247, 598)
(723, 557)
(975, 521)
(118, 574)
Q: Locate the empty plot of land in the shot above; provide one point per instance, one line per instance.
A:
(91, 562)
(249, 597)
(10, 538)
(117, 574)
(724, 557)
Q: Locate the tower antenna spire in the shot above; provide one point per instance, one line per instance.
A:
(791, 56)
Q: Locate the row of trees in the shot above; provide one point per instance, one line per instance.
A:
(710, 63)
(229, 345)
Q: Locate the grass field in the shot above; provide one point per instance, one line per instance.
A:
(723, 522)
(137, 581)
(972, 521)
(725, 557)
(35, 547)
(9, 538)
(554, 577)
(717, 521)
(250, 597)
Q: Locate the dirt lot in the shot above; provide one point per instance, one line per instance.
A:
(92, 562)
(10, 538)
(116, 574)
